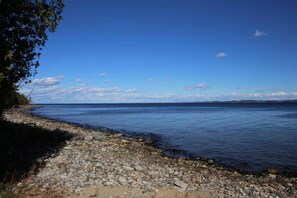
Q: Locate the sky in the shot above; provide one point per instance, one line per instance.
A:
(113, 51)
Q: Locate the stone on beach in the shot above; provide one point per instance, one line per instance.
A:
(181, 184)
(273, 171)
(89, 137)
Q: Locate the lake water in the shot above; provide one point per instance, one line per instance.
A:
(247, 137)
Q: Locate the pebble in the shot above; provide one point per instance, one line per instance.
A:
(99, 165)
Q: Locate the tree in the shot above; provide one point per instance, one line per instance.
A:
(24, 25)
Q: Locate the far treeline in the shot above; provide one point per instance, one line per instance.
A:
(24, 25)
(14, 98)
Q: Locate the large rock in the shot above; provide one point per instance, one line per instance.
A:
(273, 171)
(182, 185)
(138, 168)
(272, 176)
(98, 136)
(210, 161)
(128, 168)
(89, 137)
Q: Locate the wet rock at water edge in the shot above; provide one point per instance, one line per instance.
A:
(210, 161)
(202, 159)
(274, 171)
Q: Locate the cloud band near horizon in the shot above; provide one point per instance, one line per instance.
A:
(50, 90)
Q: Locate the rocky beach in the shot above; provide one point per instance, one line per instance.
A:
(100, 164)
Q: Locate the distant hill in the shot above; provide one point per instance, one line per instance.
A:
(255, 101)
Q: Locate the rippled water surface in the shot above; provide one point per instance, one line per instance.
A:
(248, 137)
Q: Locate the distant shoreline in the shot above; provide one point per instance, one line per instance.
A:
(293, 101)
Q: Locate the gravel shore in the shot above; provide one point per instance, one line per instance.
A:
(100, 164)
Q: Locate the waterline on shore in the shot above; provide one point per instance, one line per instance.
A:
(96, 159)
(237, 136)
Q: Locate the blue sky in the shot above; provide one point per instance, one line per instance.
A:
(169, 51)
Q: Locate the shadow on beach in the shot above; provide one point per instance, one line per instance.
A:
(23, 148)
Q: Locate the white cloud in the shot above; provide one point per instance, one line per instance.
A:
(131, 90)
(259, 33)
(221, 55)
(101, 90)
(151, 80)
(49, 81)
(78, 80)
(48, 90)
(103, 74)
(107, 80)
(72, 94)
(255, 95)
(197, 87)
(280, 93)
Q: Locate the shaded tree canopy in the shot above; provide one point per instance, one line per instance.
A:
(24, 25)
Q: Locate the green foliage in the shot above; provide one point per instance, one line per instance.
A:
(21, 99)
(13, 98)
(23, 34)
(24, 25)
